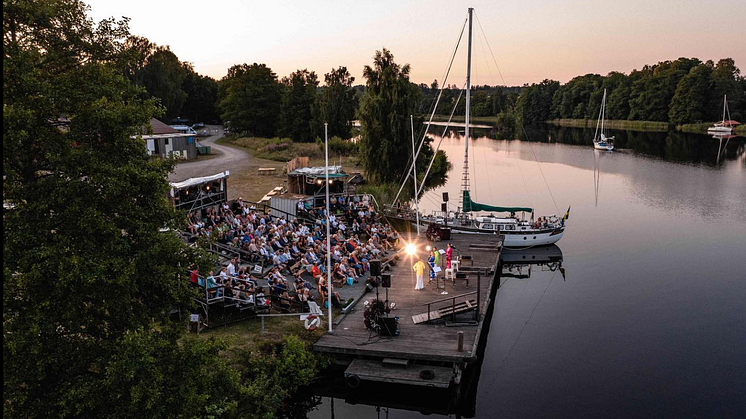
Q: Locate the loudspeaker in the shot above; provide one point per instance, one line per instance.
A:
(445, 196)
(386, 280)
(375, 267)
(389, 326)
(444, 207)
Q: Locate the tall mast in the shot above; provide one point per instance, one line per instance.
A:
(603, 112)
(725, 103)
(465, 179)
(414, 165)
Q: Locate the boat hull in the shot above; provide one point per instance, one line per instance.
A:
(524, 239)
(603, 146)
(517, 238)
(722, 130)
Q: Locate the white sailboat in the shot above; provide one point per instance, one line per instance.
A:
(518, 232)
(726, 125)
(602, 142)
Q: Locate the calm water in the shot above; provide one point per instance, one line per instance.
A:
(650, 319)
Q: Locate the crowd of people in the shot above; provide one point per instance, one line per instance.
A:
(291, 253)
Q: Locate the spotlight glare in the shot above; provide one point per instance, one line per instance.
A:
(411, 248)
(428, 248)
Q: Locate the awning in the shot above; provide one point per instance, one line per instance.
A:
(319, 171)
(471, 206)
(198, 180)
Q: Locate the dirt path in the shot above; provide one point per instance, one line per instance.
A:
(244, 180)
(227, 158)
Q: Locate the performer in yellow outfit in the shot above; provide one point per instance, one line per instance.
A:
(419, 269)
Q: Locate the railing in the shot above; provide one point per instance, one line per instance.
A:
(453, 303)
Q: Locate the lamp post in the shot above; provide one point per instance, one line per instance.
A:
(328, 235)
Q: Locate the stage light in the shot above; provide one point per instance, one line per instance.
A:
(330, 182)
(411, 248)
(428, 248)
(319, 181)
(208, 187)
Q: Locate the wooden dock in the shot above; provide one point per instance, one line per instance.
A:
(422, 343)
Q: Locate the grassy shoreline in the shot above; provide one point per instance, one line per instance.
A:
(655, 126)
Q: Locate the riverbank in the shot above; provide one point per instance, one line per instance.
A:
(472, 119)
(650, 126)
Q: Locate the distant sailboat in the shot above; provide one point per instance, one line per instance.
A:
(726, 125)
(602, 142)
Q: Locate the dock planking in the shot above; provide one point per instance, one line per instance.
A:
(425, 341)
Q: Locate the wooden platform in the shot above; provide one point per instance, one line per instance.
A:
(425, 341)
(370, 370)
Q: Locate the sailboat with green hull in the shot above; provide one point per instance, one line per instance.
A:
(477, 218)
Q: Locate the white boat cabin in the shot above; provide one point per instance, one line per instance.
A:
(498, 224)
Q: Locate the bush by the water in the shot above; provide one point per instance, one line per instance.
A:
(339, 147)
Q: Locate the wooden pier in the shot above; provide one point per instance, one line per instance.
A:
(426, 352)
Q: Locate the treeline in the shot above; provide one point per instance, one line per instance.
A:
(181, 90)
(252, 100)
(683, 91)
(485, 100)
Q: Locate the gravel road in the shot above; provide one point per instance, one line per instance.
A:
(230, 158)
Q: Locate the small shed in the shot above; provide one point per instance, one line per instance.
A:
(164, 141)
(286, 205)
(310, 180)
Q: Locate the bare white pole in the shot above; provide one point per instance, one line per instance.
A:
(328, 234)
(414, 166)
(465, 179)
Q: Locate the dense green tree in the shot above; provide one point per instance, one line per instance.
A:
(385, 107)
(89, 275)
(481, 105)
(652, 93)
(579, 98)
(725, 80)
(338, 102)
(299, 113)
(202, 93)
(535, 102)
(692, 97)
(163, 76)
(619, 87)
(249, 97)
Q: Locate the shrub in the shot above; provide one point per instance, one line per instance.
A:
(338, 146)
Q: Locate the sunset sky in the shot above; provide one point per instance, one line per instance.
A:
(531, 39)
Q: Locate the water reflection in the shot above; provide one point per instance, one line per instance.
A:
(519, 263)
(721, 146)
(597, 156)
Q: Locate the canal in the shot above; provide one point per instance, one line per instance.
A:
(647, 315)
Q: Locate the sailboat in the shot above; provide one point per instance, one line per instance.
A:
(602, 142)
(726, 125)
(518, 232)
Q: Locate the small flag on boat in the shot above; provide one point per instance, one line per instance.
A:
(567, 214)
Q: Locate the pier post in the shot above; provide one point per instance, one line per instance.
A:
(460, 335)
